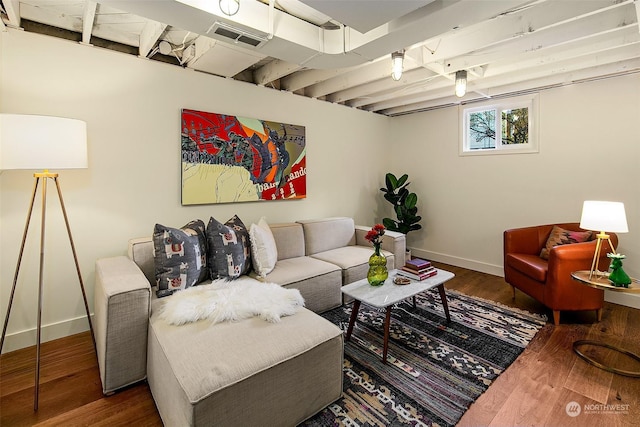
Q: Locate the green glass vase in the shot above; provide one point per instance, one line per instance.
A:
(377, 273)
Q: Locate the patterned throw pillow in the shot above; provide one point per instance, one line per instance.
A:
(180, 257)
(560, 236)
(229, 248)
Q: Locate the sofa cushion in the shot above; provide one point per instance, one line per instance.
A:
(353, 260)
(560, 236)
(179, 256)
(297, 269)
(236, 373)
(325, 234)
(319, 282)
(529, 265)
(229, 248)
(289, 239)
(264, 252)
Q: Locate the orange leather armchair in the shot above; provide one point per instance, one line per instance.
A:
(550, 281)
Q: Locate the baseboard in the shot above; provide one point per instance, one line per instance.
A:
(627, 299)
(474, 265)
(27, 338)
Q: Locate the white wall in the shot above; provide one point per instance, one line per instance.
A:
(589, 150)
(132, 109)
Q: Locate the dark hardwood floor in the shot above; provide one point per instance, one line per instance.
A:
(534, 391)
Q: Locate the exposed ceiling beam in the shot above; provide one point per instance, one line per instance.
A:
(46, 15)
(273, 71)
(508, 27)
(149, 37)
(88, 16)
(306, 78)
(562, 68)
(385, 85)
(12, 7)
(532, 85)
(199, 47)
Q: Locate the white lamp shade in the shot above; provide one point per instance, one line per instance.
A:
(604, 216)
(42, 142)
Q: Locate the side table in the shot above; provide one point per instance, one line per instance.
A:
(601, 281)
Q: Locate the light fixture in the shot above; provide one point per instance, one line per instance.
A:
(461, 83)
(397, 63)
(229, 7)
(42, 142)
(603, 217)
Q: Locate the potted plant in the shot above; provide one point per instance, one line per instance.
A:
(404, 204)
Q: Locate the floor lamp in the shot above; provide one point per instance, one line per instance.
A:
(42, 143)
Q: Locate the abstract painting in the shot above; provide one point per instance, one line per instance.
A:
(229, 159)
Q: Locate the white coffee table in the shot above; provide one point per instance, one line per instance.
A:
(388, 294)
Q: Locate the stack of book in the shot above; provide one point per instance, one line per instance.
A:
(418, 269)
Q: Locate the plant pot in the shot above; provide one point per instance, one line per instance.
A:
(407, 255)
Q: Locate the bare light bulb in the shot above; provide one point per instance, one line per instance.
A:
(461, 83)
(397, 59)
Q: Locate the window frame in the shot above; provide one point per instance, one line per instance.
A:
(527, 101)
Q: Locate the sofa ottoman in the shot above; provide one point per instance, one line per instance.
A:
(274, 374)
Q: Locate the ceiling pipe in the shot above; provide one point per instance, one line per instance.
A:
(272, 9)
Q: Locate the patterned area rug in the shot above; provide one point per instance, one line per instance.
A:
(434, 370)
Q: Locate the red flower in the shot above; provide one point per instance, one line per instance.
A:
(374, 235)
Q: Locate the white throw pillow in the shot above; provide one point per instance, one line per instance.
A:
(263, 248)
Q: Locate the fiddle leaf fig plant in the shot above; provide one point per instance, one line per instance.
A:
(404, 204)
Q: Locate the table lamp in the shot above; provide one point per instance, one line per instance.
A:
(42, 143)
(603, 217)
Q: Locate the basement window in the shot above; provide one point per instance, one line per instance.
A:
(505, 126)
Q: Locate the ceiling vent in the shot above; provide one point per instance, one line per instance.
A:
(228, 33)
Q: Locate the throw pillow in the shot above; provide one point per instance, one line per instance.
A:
(180, 256)
(560, 236)
(264, 253)
(229, 248)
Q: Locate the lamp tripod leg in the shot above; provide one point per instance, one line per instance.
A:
(15, 276)
(596, 258)
(40, 289)
(75, 259)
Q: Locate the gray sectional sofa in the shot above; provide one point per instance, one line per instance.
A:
(245, 373)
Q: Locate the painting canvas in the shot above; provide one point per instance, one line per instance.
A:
(237, 159)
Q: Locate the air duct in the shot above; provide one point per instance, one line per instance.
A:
(229, 33)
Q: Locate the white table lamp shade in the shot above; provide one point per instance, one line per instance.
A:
(42, 142)
(604, 216)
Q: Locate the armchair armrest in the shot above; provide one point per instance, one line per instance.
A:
(565, 259)
(121, 305)
(392, 241)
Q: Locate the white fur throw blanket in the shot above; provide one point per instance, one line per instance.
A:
(224, 300)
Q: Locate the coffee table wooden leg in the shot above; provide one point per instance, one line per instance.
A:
(387, 321)
(443, 297)
(352, 320)
(414, 301)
